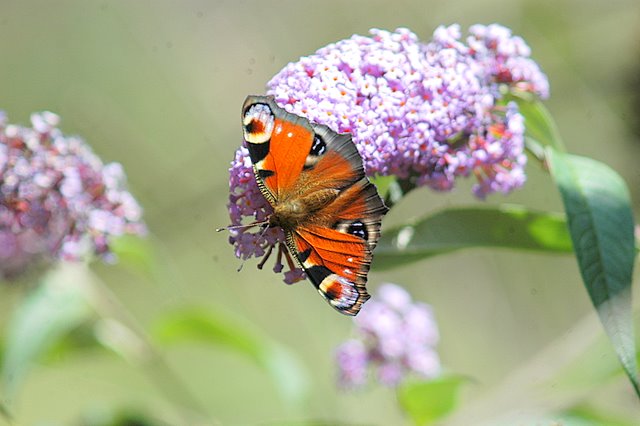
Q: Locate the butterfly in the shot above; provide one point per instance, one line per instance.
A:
(314, 179)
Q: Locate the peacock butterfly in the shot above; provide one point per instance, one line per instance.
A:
(329, 211)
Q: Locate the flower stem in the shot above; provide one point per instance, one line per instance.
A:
(398, 189)
(137, 347)
(537, 150)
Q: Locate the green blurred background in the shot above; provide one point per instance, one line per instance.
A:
(158, 86)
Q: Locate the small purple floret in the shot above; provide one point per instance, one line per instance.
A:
(393, 336)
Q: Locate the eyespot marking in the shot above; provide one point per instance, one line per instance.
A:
(358, 229)
(257, 123)
(318, 148)
(340, 292)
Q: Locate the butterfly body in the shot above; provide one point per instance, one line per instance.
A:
(329, 211)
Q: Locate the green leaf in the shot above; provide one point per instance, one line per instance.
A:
(601, 225)
(383, 183)
(539, 123)
(392, 189)
(50, 311)
(507, 226)
(208, 326)
(427, 401)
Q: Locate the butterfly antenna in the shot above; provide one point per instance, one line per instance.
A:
(248, 226)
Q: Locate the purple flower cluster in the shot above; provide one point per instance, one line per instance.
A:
(395, 336)
(427, 112)
(504, 57)
(57, 199)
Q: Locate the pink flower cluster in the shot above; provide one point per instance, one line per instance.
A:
(428, 113)
(57, 199)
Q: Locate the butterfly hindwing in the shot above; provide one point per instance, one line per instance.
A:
(337, 276)
(337, 256)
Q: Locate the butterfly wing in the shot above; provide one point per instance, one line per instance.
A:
(335, 248)
(337, 257)
(278, 143)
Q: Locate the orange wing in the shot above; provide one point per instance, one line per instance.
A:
(337, 257)
(278, 144)
(335, 248)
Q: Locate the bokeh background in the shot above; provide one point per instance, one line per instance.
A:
(158, 86)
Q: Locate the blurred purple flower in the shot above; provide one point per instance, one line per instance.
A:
(395, 336)
(57, 199)
(426, 112)
(506, 58)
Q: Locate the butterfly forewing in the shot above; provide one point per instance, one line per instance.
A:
(314, 179)
(278, 155)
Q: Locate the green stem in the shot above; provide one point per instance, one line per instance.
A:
(537, 150)
(539, 123)
(555, 139)
(5, 414)
(398, 189)
(167, 381)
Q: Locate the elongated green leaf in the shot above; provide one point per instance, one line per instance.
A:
(507, 226)
(600, 221)
(383, 183)
(205, 325)
(427, 401)
(48, 313)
